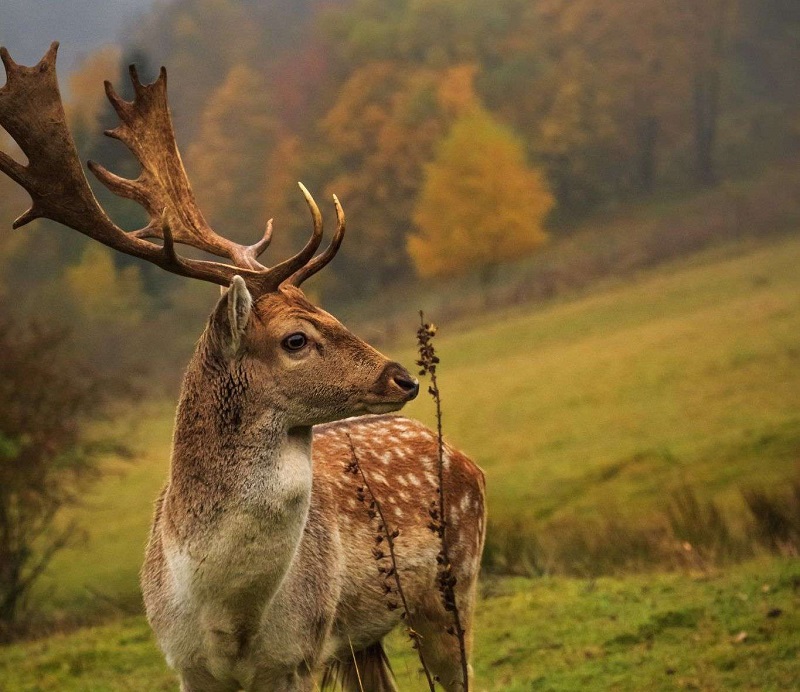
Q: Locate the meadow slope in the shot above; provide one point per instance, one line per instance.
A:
(593, 405)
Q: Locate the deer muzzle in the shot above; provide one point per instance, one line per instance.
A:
(397, 380)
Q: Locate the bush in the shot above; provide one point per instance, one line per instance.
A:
(45, 456)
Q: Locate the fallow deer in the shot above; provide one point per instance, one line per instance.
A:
(259, 573)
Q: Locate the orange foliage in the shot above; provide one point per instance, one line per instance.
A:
(481, 204)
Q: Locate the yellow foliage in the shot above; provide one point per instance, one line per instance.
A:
(103, 292)
(480, 204)
(385, 124)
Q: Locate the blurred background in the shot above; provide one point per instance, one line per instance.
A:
(598, 201)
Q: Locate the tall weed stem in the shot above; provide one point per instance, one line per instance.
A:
(428, 362)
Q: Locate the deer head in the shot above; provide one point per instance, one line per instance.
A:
(296, 356)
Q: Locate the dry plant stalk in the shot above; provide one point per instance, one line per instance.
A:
(390, 573)
(428, 360)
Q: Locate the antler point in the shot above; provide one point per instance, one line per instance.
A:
(26, 218)
(8, 62)
(134, 73)
(50, 55)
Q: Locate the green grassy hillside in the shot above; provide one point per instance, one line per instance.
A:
(596, 404)
(729, 631)
(688, 374)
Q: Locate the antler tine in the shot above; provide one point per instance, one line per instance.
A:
(327, 255)
(8, 63)
(12, 168)
(288, 267)
(134, 74)
(117, 102)
(146, 129)
(258, 248)
(32, 113)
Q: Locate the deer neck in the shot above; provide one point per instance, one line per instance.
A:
(233, 453)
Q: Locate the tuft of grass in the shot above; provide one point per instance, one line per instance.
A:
(776, 517)
(702, 527)
(688, 533)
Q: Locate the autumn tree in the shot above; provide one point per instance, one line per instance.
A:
(613, 94)
(481, 204)
(200, 42)
(87, 108)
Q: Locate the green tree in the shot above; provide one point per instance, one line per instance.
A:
(481, 204)
(101, 291)
(613, 96)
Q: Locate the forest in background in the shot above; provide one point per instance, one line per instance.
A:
(463, 131)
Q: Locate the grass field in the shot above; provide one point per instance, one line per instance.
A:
(689, 374)
(729, 631)
(593, 405)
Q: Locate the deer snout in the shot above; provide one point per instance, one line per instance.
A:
(397, 377)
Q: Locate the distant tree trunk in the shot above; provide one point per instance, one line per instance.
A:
(488, 276)
(706, 115)
(714, 18)
(647, 140)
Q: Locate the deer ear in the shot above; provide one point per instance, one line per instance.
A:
(231, 315)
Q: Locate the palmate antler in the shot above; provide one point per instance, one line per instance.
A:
(31, 111)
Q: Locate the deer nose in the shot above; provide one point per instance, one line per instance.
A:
(408, 384)
(403, 380)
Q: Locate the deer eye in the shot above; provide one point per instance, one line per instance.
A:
(294, 342)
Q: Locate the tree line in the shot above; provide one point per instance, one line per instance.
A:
(457, 133)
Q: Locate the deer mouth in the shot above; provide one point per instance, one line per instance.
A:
(385, 407)
(385, 402)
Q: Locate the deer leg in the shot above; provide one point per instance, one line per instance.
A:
(441, 650)
(200, 680)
